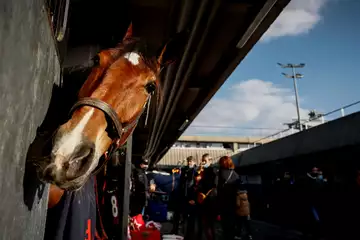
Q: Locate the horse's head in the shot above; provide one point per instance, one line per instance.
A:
(123, 78)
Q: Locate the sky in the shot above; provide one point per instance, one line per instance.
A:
(256, 100)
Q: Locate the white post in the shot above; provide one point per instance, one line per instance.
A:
(322, 119)
(342, 112)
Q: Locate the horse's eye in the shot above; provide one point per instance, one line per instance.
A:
(150, 87)
(96, 60)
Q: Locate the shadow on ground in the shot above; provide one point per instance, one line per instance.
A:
(261, 231)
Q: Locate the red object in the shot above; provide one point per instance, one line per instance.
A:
(218, 218)
(146, 234)
(137, 223)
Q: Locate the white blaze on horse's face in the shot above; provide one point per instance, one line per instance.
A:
(67, 144)
(74, 154)
(132, 57)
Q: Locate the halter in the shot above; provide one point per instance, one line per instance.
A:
(115, 128)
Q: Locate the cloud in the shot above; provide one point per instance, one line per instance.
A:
(249, 104)
(299, 17)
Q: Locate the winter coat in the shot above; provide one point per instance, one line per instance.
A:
(242, 203)
(227, 189)
(208, 182)
(187, 183)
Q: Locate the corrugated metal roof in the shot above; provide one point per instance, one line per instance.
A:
(177, 155)
(223, 139)
(221, 33)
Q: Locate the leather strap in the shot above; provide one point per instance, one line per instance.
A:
(114, 128)
(111, 116)
(106, 108)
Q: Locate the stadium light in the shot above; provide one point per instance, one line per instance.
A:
(294, 76)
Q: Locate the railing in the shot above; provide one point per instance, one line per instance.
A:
(204, 130)
(307, 123)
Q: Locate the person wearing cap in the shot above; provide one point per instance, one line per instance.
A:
(187, 196)
(140, 188)
(187, 177)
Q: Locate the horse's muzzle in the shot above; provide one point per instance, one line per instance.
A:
(64, 171)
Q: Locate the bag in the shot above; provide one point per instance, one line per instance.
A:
(146, 234)
(137, 223)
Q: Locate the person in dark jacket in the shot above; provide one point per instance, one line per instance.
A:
(227, 188)
(186, 197)
(189, 196)
(206, 191)
(139, 188)
(187, 178)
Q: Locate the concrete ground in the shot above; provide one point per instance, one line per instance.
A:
(261, 231)
(265, 231)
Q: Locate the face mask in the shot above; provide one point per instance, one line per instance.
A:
(206, 165)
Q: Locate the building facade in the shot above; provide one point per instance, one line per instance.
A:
(197, 146)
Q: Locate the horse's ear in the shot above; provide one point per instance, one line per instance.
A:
(173, 49)
(128, 33)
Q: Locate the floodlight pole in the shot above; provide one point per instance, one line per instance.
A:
(296, 97)
(295, 76)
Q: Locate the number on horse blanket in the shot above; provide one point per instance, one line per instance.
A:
(109, 193)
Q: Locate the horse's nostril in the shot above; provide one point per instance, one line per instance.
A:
(79, 162)
(82, 153)
(79, 157)
(49, 173)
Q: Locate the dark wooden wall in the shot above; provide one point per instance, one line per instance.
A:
(29, 69)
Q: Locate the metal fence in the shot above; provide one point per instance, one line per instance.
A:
(197, 130)
(322, 118)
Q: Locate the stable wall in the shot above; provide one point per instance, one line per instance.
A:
(28, 69)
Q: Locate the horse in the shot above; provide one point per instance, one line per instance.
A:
(110, 104)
